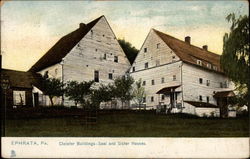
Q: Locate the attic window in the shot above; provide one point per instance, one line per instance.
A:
(116, 59)
(133, 69)
(209, 65)
(158, 46)
(199, 62)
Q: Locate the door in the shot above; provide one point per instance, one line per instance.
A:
(36, 102)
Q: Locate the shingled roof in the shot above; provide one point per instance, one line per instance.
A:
(63, 47)
(20, 79)
(190, 53)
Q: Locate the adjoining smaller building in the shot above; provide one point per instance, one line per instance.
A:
(19, 93)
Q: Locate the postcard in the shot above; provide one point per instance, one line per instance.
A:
(124, 79)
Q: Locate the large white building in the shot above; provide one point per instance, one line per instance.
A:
(91, 52)
(181, 76)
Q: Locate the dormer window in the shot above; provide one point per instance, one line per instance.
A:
(199, 62)
(209, 65)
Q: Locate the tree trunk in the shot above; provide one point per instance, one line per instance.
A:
(51, 101)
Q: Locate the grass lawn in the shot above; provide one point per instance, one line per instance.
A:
(130, 125)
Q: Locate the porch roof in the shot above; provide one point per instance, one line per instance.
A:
(201, 104)
(224, 94)
(167, 89)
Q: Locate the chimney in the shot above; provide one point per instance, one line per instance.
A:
(82, 25)
(188, 39)
(204, 47)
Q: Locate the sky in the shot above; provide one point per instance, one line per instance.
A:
(30, 28)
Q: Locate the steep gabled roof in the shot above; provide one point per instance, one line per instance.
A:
(20, 79)
(190, 53)
(63, 47)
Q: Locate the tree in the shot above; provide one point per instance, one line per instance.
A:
(103, 94)
(72, 91)
(138, 93)
(235, 56)
(84, 91)
(52, 87)
(79, 92)
(123, 88)
(130, 51)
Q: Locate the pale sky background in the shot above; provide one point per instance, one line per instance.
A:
(29, 29)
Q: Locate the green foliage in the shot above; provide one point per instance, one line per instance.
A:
(102, 94)
(130, 51)
(52, 87)
(138, 93)
(79, 92)
(235, 56)
(123, 88)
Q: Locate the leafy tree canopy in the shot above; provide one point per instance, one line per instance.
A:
(130, 51)
(138, 93)
(52, 87)
(123, 88)
(235, 56)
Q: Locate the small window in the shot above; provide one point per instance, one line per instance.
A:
(153, 82)
(152, 98)
(110, 76)
(209, 65)
(215, 68)
(19, 98)
(207, 99)
(199, 62)
(157, 62)
(221, 85)
(144, 99)
(105, 56)
(200, 80)
(145, 49)
(208, 82)
(103, 35)
(144, 83)
(96, 76)
(91, 34)
(96, 50)
(200, 98)
(146, 65)
(116, 59)
(133, 69)
(162, 97)
(225, 84)
(162, 80)
(174, 77)
(158, 46)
